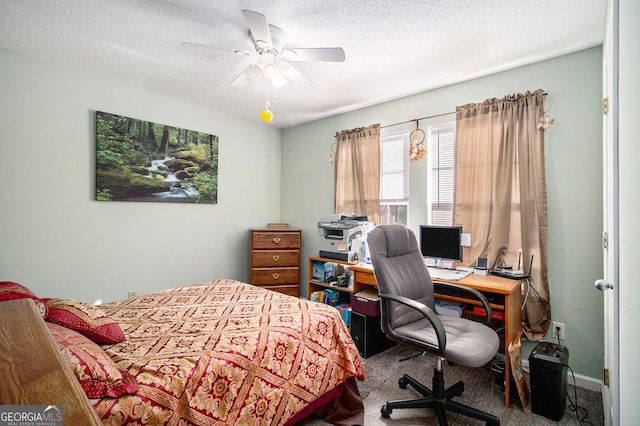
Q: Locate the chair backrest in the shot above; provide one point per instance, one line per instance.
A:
(399, 269)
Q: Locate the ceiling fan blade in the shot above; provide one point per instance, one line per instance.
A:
(296, 77)
(259, 28)
(251, 74)
(240, 52)
(240, 80)
(314, 54)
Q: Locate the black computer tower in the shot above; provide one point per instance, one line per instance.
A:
(548, 376)
(367, 335)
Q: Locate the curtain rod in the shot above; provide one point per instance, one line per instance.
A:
(418, 119)
(429, 116)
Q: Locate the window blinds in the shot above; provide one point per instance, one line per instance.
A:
(441, 154)
(394, 168)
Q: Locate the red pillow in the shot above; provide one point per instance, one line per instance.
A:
(84, 318)
(13, 291)
(98, 375)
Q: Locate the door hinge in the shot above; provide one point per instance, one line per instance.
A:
(605, 242)
(605, 106)
(606, 377)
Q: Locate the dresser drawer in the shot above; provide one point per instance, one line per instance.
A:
(275, 276)
(291, 290)
(275, 240)
(274, 258)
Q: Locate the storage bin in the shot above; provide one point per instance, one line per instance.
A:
(366, 302)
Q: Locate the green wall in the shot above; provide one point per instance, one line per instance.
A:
(573, 155)
(58, 241)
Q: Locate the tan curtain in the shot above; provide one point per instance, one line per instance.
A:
(357, 172)
(500, 193)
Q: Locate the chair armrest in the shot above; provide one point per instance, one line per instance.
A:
(426, 311)
(469, 290)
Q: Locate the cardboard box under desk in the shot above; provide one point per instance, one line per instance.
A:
(366, 302)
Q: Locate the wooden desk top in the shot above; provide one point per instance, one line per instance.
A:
(489, 283)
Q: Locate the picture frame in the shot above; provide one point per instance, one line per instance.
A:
(139, 160)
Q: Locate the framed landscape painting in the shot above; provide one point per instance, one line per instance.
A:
(139, 160)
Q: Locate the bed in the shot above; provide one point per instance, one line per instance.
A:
(215, 353)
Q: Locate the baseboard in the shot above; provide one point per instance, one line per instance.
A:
(582, 381)
(586, 382)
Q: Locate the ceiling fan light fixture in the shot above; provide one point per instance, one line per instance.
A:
(270, 69)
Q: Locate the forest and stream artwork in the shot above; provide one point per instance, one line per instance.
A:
(139, 160)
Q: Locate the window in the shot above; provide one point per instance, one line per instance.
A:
(394, 177)
(441, 175)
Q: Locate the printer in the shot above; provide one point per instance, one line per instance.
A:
(341, 236)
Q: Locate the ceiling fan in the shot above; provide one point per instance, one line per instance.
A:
(273, 64)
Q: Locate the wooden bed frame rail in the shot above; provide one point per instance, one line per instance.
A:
(32, 368)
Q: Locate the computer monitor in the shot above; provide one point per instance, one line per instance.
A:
(441, 242)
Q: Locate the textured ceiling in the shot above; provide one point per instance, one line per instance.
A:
(393, 48)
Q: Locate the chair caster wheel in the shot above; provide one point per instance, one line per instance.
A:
(386, 412)
(459, 389)
(402, 383)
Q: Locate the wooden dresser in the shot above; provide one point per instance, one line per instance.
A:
(275, 259)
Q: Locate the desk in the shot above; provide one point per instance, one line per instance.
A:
(505, 297)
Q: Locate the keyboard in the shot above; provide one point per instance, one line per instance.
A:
(447, 274)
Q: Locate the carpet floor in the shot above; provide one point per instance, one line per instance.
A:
(481, 391)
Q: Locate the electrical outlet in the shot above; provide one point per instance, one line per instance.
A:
(132, 294)
(558, 330)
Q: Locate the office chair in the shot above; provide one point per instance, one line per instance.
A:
(409, 318)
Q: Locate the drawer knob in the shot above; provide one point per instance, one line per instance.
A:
(276, 240)
(275, 275)
(276, 257)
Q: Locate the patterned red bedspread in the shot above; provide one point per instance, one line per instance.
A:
(226, 353)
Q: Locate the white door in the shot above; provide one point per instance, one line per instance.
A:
(610, 387)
